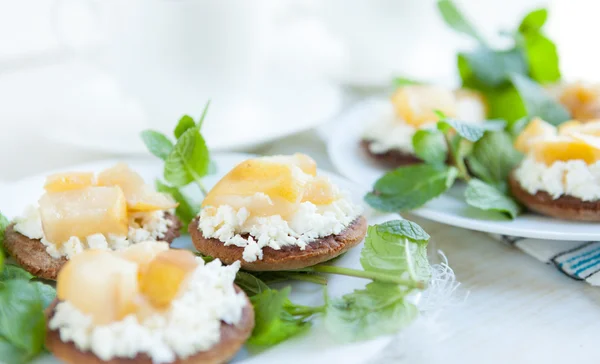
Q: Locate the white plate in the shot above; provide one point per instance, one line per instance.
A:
(99, 113)
(352, 162)
(317, 346)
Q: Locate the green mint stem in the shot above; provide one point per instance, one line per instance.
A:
(312, 278)
(375, 276)
(202, 188)
(459, 163)
(306, 310)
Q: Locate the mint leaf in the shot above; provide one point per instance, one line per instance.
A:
(22, 321)
(542, 57)
(186, 122)
(201, 120)
(46, 293)
(487, 68)
(403, 81)
(393, 253)
(538, 102)
(274, 324)
(407, 188)
(469, 131)
(456, 20)
(429, 145)
(157, 143)
(533, 21)
(4, 222)
(250, 283)
(404, 228)
(505, 103)
(12, 271)
(379, 309)
(186, 211)
(10, 354)
(493, 157)
(486, 197)
(188, 161)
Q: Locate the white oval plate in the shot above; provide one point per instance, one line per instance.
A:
(317, 346)
(353, 163)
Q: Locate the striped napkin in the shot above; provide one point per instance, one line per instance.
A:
(576, 259)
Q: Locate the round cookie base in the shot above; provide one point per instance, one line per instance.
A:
(232, 339)
(564, 207)
(392, 158)
(288, 257)
(32, 256)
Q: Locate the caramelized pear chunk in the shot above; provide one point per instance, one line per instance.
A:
(61, 182)
(164, 276)
(537, 129)
(100, 284)
(83, 212)
(140, 197)
(566, 149)
(416, 104)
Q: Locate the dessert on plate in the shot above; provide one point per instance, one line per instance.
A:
(276, 213)
(80, 210)
(147, 304)
(560, 174)
(388, 139)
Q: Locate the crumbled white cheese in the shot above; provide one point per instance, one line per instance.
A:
(574, 178)
(388, 132)
(142, 227)
(307, 224)
(191, 324)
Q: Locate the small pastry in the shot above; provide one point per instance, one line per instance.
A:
(275, 213)
(147, 305)
(389, 139)
(78, 211)
(560, 174)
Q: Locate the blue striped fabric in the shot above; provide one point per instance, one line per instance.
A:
(578, 260)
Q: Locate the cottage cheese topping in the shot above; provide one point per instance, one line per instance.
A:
(307, 224)
(574, 178)
(388, 132)
(142, 227)
(191, 324)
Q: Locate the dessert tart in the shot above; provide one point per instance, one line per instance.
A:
(389, 139)
(275, 213)
(560, 174)
(79, 210)
(147, 304)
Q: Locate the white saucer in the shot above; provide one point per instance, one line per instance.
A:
(100, 114)
(317, 345)
(352, 162)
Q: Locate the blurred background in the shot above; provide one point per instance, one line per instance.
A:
(79, 79)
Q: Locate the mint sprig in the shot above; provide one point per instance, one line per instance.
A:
(472, 149)
(394, 258)
(186, 161)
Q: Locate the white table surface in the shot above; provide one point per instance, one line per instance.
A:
(517, 311)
